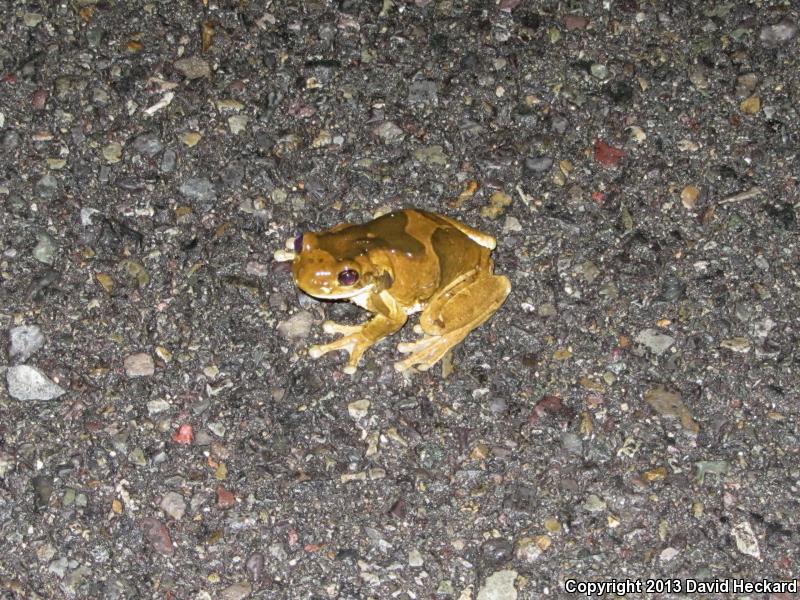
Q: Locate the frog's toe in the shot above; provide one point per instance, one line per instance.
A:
(356, 352)
(316, 351)
(406, 347)
(401, 366)
(404, 365)
(341, 344)
(411, 361)
(331, 327)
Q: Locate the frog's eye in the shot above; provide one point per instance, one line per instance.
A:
(348, 277)
(298, 243)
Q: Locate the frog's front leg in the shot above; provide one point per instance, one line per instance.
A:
(463, 305)
(358, 338)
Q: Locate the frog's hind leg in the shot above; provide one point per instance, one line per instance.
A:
(466, 303)
(480, 238)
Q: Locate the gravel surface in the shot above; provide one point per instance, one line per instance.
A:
(630, 413)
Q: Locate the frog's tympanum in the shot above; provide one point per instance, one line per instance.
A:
(402, 263)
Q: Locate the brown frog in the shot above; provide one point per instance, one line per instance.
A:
(401, 263)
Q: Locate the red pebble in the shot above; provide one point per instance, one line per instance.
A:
(39, 99)
(294, 537)
(550, 406)
(225, 498)
(607, 155)
(575, 22)
(158, 535)
(184, 435)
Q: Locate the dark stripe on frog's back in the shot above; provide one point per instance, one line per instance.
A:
(455, 250)
(387, 231)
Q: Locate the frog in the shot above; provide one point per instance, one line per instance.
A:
(401, 263)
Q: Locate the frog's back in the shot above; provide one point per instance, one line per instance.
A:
(480, 238)
(405, 233)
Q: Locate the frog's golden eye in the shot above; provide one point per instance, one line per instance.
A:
(348, 276)
(298, 243)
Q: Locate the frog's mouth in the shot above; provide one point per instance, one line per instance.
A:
(345, 295)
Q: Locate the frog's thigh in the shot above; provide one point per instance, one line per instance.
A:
(452, 314)
(466, 302)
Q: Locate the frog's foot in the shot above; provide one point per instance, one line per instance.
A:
(355, 345)
(429, 350)
(356, 339)
(353, 341)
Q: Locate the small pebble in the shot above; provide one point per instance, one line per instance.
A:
(255, 566)
(29, 383)
(137, 457)
(39, 99)
(599, 71)
(389, 132)
(538, 164)
(559, 124)
(42, 490)
(415, 558)
(667, 554)
(191, 138)
(32, 19)
(497, 551)
(511, 225)
(432, 155)
(751, 105)
(358, 409)
(297, 327)
(158, 535)
(193, 67)
(169, 161)
(499, 586)
(779, 33)
(669, 403)
(25, 341)
(112, 152)
(45, 249)
(236, 591)
(200, 189)
(225, 498)
(689, 196)
(47, 187)
(422, 91)
(655, 341)
(746, 540)
(174, 505)
(139, 365)
(699, 78)
(594, 503)
(572, 22)
(238, 123)
(147, 144)
(741, 345)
